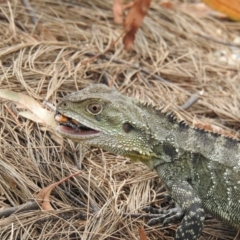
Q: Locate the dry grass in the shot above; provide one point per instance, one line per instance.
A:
(170, 45)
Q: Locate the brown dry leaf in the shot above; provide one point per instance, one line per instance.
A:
(43, 196)
(134, 20)
(199, 10)
(118, 11)
(230, 7)
(12, 114)
(142, 234)
(11, 182)
(168, 5)
(213, 128)
(38, 113)
(45, 33)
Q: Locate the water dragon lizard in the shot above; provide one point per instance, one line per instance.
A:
(200, 169)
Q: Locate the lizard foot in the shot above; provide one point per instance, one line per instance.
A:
(163, 216)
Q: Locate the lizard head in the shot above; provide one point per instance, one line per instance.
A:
(101, 117)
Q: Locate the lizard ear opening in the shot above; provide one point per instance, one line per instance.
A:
(127, 127)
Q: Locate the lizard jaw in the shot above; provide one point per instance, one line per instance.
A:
(70, 127)
(76, 132)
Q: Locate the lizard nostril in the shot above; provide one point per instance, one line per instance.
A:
(64, 104)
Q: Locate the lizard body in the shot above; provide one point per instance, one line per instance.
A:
(200, 169)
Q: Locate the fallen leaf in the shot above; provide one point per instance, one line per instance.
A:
(118, 11)
(41, 115)
(199, 10)
(168, 5)
(30, 116)
(134, 20)
(45, 33)
(13, 114)
(12, 184)
(229, 7)
(43, 196)
(214, 129)
(142, 234)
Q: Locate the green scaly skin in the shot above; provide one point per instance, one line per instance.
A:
(200, 169)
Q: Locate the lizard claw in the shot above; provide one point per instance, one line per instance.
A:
(163, 216)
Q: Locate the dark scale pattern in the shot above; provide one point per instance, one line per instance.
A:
(192, 223)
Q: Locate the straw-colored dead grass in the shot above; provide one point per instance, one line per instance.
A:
(170, 44)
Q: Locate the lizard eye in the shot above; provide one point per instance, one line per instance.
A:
(94, 108)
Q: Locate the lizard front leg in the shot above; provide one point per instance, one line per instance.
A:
(192, 211)
(192, 222)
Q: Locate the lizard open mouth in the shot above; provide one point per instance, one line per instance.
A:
(71, 126)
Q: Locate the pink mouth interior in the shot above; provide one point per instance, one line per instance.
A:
(69, 130)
